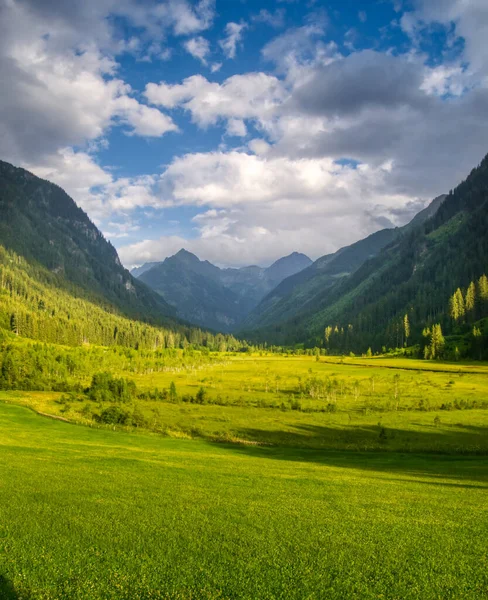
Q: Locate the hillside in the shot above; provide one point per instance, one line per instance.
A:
(40, 222)
(212, 297)
(415, 275)
(304, 291)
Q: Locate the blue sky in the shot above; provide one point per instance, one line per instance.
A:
(244, 130)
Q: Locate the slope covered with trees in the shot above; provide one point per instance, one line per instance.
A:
(414, 275)
(305, 291)
(33, 305)
(40, 222)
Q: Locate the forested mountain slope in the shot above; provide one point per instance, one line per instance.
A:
(414, 276)
(212, 297)
(33, 305)
(40, 222)
(305, 290)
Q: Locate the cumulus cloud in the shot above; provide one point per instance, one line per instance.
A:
(233, 37)
(250, 205)
(199, 48)
(249, 96)
(338, 145)
(298, 48)
(363, 79)
(403, 118)
(59, 89)
(470, 19)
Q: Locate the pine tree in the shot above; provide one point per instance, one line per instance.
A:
(470, 297)
(483, 288)
(454, 307)
(406, 328)
(436, 342)
(460, 302)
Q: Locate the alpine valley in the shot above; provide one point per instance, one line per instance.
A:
(211, 297)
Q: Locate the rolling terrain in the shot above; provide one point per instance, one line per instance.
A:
(298, 508)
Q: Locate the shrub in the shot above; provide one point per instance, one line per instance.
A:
(106, 388)
(201, 396)
(114, 415)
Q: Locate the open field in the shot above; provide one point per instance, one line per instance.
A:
(291, 478)
(362, 404)
(98, 514)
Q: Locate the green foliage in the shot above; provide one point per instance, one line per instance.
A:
(114, 415)
(107, 388)
(34, 304)
(201, 396)
(40, 222)
(435, 343)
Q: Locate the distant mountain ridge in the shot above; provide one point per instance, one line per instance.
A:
(213, 297)
(304, 290)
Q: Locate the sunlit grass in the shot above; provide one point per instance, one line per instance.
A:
(368, 404)
(96, 514)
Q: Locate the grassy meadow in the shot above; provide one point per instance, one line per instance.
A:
(292, 479)
(99, 514)
(354, 404)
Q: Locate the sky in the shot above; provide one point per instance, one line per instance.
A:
(244, 130)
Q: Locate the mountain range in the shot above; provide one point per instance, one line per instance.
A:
(212, 297)
(305, 291)
(411, 271)
(61, 281)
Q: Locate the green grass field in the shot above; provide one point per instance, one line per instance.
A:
(97, 514)
(360, 404)
(303, 504)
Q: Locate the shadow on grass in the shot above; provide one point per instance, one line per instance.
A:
(456, 453)
(7, 591)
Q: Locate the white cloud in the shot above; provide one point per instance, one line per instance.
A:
(234, 33)
(286, 192)
(236, 127)
(199, 48)
(62, 89)
(275, 19)
(249, 96)
(299, 48)
(444, 80)
(249, 206)
(471, 23)
(144, 120)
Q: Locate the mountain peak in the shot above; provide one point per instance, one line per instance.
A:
(183, 253)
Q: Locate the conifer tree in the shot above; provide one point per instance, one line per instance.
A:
(470, 297)
(483, 288)
(406, 328)
(460, 302)
(436, 342)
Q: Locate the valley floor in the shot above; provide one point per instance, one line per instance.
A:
(290, 510)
